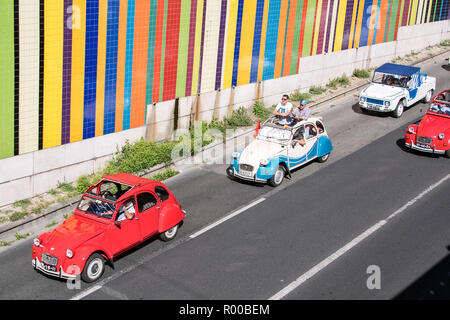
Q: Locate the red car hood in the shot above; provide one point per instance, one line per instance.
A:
(73, 232)
(432, 125)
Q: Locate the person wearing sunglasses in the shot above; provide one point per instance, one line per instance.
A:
(283, 111)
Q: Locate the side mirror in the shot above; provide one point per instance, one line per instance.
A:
(118, 223)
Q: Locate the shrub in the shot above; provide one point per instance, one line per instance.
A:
(260, 111)
(361, 73)
(297, 96)
(239, 118)
(166, 174)
(317, 90)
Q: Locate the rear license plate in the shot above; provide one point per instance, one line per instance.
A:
(246, 173)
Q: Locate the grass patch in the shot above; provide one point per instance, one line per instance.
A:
(22, 204)
(166, 174)
(316, 90)
(445, 43)
(5, 243)
(340, 81)
(260, 111)
(51, 224)
(17, 216)
(298, 96)
(361, 73)
(21, 236)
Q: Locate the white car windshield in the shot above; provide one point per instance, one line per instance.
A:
(390, 79)
(274, 133)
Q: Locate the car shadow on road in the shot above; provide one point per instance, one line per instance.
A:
(357, 109)
(446, 67)
(432, 285)
(401, 144)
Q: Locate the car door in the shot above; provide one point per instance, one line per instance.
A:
(148, 213)
(297, 152)
(126, 233)
(311, 139)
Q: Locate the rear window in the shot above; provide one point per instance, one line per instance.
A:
(162, 193)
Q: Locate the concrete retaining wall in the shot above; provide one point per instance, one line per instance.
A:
(34, 173)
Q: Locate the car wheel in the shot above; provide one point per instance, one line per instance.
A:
(399, 110)
(324, 158)
(94, 268)
(169, 234)
(447, 153)
(277, 177)
(428, 96)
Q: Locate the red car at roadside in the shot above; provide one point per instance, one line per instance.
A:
(114, 215)
(432, 134)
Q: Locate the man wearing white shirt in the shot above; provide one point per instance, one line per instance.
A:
(283, 110)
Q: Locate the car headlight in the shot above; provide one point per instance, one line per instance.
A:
(36, 242)
(387, 103)
(235, 155)
(362, 99)
(441, 136)
(411, 130)
(264, 162)
(69, 253)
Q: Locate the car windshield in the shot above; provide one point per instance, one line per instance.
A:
(274, 133)
(438, 108)
(390, 79)
(97, 207)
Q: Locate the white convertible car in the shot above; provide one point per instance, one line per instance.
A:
(275, 151)
(394, 87)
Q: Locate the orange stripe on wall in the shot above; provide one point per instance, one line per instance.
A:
(140, 50)
(280, 41)
(382, 26)
(289, 38)
(122, 44)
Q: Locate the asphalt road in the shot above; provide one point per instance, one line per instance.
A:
(262, 250)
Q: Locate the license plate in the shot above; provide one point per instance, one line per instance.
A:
(49, 268)
(372, 107)
(423, 146)
(246, 173)
(50, 260)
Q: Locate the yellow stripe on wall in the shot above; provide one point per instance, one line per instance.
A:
(414, 6)
(197, 47)
(53, 69)
(229, 54)
(246, 44)
(78, 52)
(352, 27)
(101, 63)
(317, 27)
(340, 25)
(263, 40)
(359, 23)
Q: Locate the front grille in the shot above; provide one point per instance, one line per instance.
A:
(375, 101)
(49, 259)
(246, 167)
(424, 140)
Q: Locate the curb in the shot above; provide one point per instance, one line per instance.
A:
(57, 211)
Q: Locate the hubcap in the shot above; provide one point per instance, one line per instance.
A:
(278, 176)
(325, 157)
(171, 232)
(95, 268)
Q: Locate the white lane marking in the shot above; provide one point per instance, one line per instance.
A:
(86, 292)
(231, 215)
(194, 235)
(324, 263)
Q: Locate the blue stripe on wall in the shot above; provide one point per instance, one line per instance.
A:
(90, 69)
(365, 21)
(128, 65)
(257, 41)
(112, 36)
(237, 43)
(271, 39)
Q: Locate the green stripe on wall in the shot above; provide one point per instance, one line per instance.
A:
(7, 79)
(183, 47)
(394, 10)
(309, 26)
(296, 40)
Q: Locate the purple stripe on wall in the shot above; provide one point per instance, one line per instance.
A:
(199, 88)
(223, 17)
(190, 60)
(67, 75)
(323, 19)
(347, 24)
(330, 15)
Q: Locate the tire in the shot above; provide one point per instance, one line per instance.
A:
(169, 234)
(277, 177)
(447, 154)
(94, 268)
(399, 110)
(428, 96)
(324, 158)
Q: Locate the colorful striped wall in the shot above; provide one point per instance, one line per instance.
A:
(76, 69)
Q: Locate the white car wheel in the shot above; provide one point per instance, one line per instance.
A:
(428, 96)
(94, 268)
(169, 234)
(399, 110)
(277, 177)
(324, 158)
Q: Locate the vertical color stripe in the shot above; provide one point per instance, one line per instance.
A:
(263, 40)
(246, 42)
(67, 74)
(191, 49)
(342, 11)
(296, 39)
(151, 53)
(112, 42)
(197, 46)
(289, 38)
(220, 49)
(349, 18)
(171, 49)
(53, 67)
(281, 38)
(183, 48)
(257, 40)
(231, 38)
(121, 54)
(101, 66)
(237, 42)
(271, 40)
(128, 83)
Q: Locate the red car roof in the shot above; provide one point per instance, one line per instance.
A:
(128, 179)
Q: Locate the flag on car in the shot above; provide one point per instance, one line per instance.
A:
(258, 126)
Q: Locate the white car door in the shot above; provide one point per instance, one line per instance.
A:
(297, 152)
